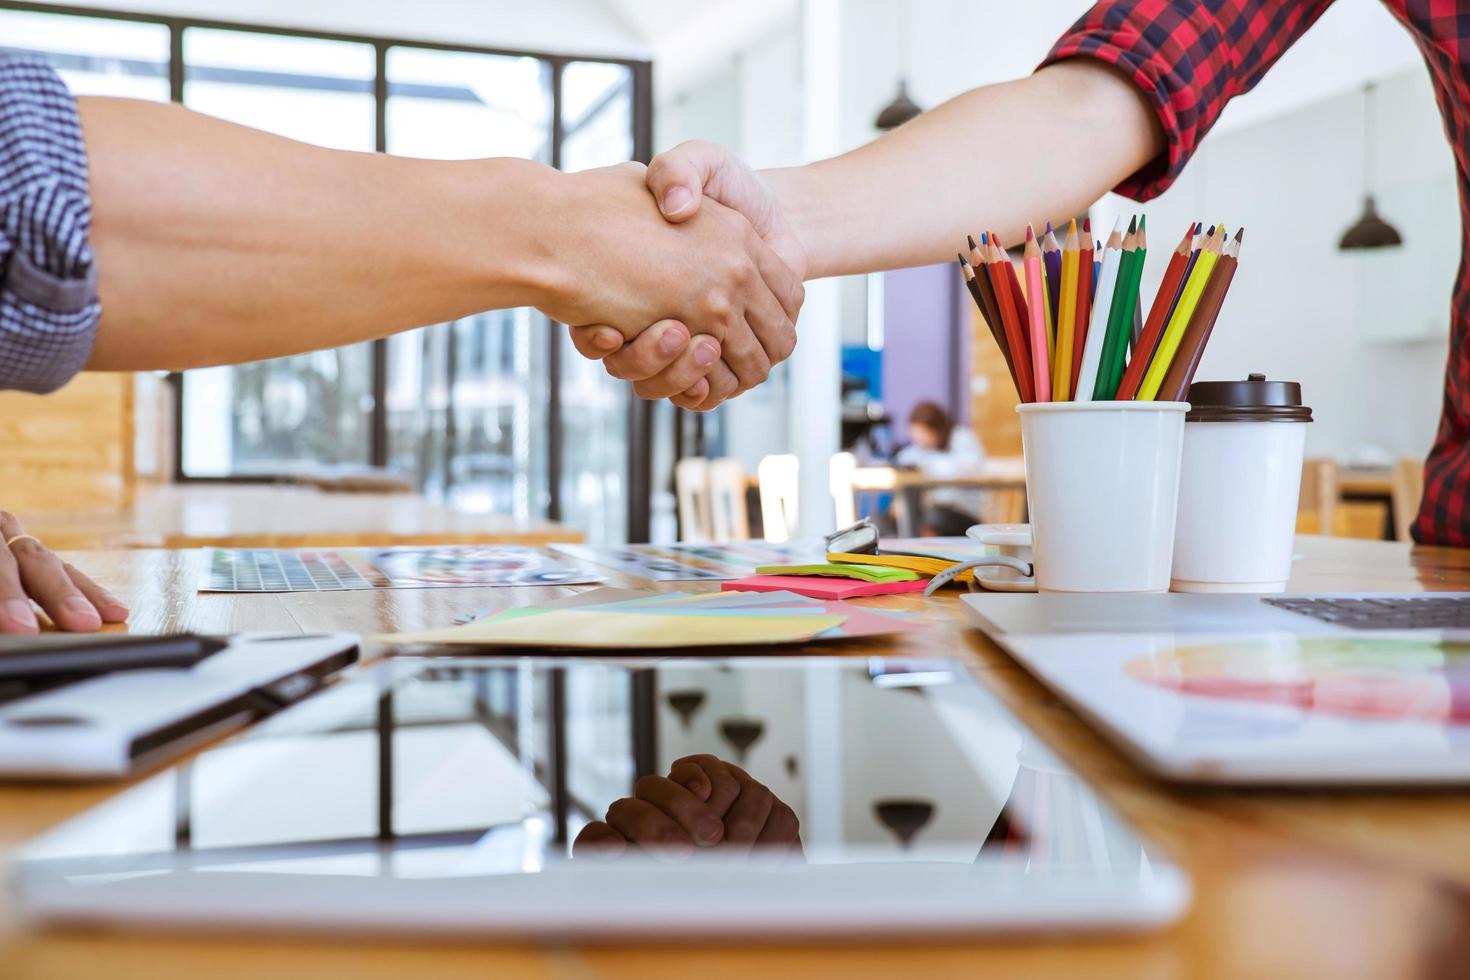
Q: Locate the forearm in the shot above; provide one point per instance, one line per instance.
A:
(1041, 147)
(217, 243)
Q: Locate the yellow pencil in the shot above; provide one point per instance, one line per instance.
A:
(1061, 380)
(1183, 310)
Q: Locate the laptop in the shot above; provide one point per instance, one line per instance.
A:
(1358, 689)
(1178, 612)
(475, 798)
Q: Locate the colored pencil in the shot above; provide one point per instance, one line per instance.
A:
(1158, 312)
(1051, 265)
(1036, 297)
(1085, 280)
(1018, 295)
(987, 292)
(1189, 298)
(1192, 348)
(979, 285)
(1097, 327)
(1120, 318)
(1010, 319)
(1061, 368)
(1137, 325)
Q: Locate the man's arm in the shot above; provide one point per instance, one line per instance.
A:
(1044, 146)
(217, 243)
(999, 156)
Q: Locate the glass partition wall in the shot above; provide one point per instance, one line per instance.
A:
(494, 412)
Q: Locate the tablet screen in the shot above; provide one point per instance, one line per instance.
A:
(425, 772)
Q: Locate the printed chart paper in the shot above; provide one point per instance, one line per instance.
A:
(351, 569)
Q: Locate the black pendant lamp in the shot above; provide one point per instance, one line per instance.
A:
(902, 108)
(1370, 230)
(899, 111)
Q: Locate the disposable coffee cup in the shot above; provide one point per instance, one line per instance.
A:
(1102, 482)
(1238, 486)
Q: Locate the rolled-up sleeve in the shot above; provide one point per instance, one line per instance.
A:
(1189, 58)
(49, 308)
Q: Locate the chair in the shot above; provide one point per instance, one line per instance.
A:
(1408, 491)
(844, 499)
(729, 519)
(1317, 504)
(778, 477)
(691, 488)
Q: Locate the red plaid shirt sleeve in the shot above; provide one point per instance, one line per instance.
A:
(1189, 57)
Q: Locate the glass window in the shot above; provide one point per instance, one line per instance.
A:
(294, 412)
(467, 401)
(96, 56)
(597, 128)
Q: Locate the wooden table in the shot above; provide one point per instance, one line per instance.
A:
(1307, 883)
(193, 515)
(909, 486)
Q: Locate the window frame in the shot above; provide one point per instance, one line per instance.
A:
(640, 414)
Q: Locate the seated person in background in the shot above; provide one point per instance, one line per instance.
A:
(939, 448)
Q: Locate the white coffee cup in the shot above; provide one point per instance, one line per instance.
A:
(1102, 481)
(1242, 471)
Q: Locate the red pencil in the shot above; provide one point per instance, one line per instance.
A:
(1158, 313)
(1017, 294)
(1084, 300)
(1010, 320)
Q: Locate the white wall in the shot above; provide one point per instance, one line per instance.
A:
(1283, 161)
(1297, 308)
(556, 26)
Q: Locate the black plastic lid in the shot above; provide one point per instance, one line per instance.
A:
(1253, 400)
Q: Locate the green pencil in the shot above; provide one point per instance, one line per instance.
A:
(1130, 311)
(1115, 339)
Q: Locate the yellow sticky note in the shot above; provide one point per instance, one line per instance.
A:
(621, 631)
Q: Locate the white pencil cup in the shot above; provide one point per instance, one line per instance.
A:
(1102, 486)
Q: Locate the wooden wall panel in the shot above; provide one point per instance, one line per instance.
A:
(68, 452)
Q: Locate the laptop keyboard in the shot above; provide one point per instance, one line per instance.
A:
(1398, 613)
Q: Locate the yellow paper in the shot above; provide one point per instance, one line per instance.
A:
(622, 631)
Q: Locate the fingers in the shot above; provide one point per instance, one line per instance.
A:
(694, 397)
(596, 341)
(44, 579)
(644, 824)
(724, 788)
(687, 370)
(677, 177)
(700, 823)
(110, 606)
(785, 285)
(747, 816)
(650, 353)
(16, 614)
(597, 839)
(782, 829)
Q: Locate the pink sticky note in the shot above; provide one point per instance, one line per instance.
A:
(821, 588)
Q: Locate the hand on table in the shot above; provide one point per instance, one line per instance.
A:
(711, 278)
(686, 181)
(28, 570)
(702, 804)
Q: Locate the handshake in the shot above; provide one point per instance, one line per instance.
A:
(695, 277)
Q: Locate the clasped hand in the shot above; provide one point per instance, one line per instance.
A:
(721, 277)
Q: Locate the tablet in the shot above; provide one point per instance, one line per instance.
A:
(493, 797)
(1318, 705)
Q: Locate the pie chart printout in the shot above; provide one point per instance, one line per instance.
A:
(1422, 679)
